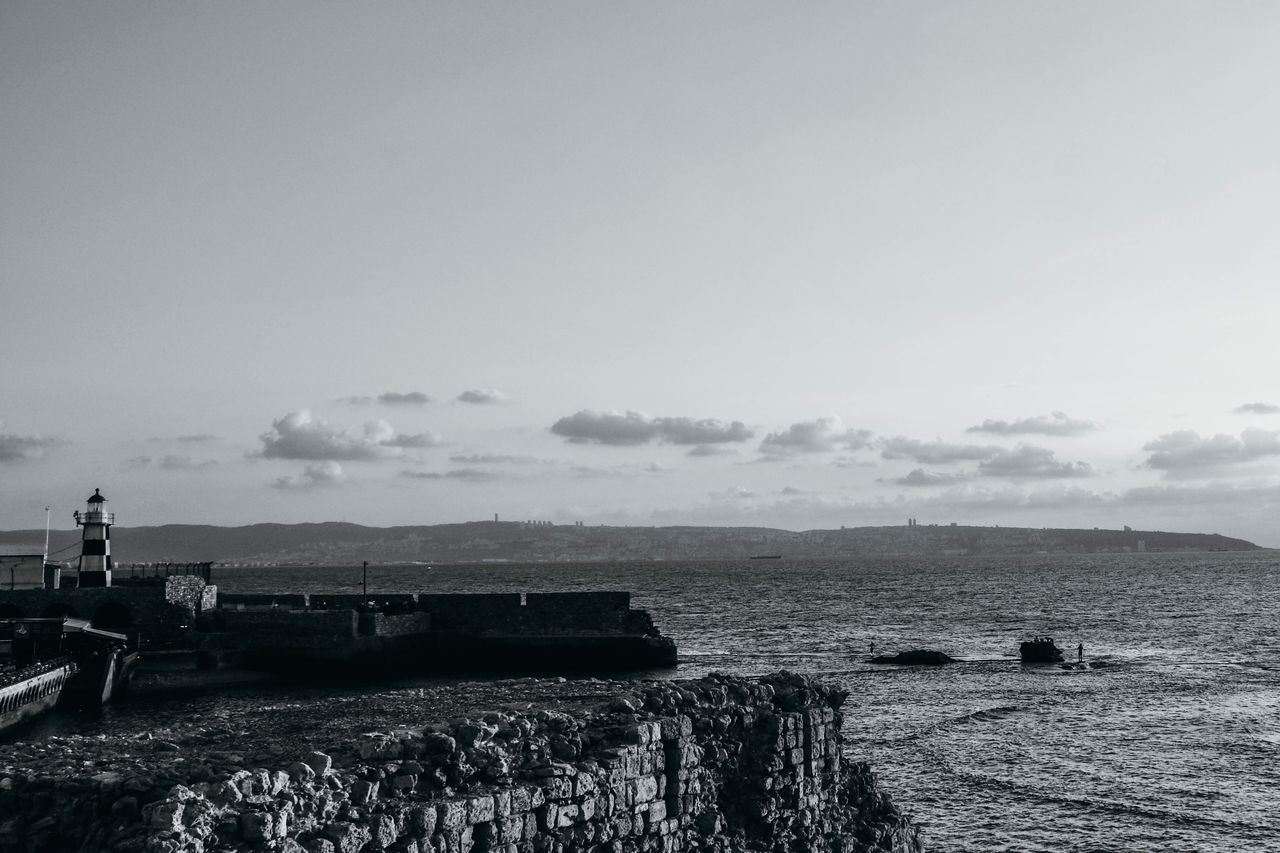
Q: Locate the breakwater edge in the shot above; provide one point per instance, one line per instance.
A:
(715, 764)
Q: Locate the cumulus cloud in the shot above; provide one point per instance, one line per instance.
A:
(313, 476)
(1257, 409)
(817, 436)
(1030, 462)
(921, 477)
(482, 396)
(302, 435)
(1185, 453)
(25, 448)
(1054, 424)
(935, 452)
(632, 428)
(411, 398)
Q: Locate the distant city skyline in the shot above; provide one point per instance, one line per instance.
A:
(706, 264)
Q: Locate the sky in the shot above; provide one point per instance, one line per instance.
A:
(724, 263)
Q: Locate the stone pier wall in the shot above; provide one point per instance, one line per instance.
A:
(717, 764)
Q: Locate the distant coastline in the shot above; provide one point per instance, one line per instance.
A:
(339, 543)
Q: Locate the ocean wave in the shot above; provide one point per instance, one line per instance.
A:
(1044, 796)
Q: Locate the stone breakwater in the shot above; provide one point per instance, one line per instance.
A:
(715, 764)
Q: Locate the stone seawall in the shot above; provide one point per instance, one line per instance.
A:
(716, 764)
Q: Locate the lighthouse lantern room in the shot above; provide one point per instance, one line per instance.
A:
(95, 547)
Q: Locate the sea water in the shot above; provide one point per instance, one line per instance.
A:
(1169, 741)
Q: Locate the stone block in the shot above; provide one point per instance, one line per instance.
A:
(382, 828)
(584, 784)
(348, 837)
(502, 803)
(641, 790)
(167, 816)
(521, 799)
(558, 787)
(479, 809)
(257, 827)
(422, 819)
(567, 815)
(451, 814)
(363, 791)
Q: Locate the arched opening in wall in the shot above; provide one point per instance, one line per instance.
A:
(9, 610)
(58, 610)
(113, 616)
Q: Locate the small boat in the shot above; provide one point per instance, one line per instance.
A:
(1040, 650)
(101, 662)
(29, 691)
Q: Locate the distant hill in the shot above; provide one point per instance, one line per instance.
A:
(338, 543)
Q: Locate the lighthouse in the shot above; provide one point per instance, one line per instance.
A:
(95, 544)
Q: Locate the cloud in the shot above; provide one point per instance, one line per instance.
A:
(412, 398)
(1054, 424)
(921, 477)
(591, 472)
(477, 475)
(25, 448)
(935, 452)
(634, 428)
(356, 401)
(1257, 496)
(482, 396)
(587, 426)
(1257, 409)
(1185, 453)
(196, 438)
(702, 431)
(706, 450)
(416, 440)
(171, 462)
(316, 475)
(473, 475)
(1030, 462)
(302, 435)
(494, 459)
(422, 475)
(817, 436)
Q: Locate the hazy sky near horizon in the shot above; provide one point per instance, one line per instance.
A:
(794, 265)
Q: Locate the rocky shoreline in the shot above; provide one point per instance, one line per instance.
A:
(716, 764)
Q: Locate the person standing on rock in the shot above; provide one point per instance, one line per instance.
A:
(1080, 652)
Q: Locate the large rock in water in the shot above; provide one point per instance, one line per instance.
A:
(915, 657)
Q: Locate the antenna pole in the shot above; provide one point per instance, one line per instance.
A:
(46, 536)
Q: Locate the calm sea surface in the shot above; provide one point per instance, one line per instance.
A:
(1171, 742)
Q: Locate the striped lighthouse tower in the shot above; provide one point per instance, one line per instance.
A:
(95, 544)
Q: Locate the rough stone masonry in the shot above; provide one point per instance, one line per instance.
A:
(714, 764)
